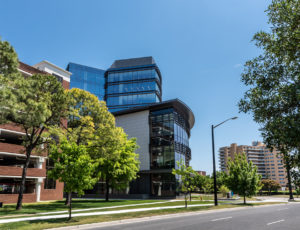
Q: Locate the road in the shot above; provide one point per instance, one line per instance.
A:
(275, 217)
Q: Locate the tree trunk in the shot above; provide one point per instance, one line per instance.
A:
(107, 189)
(288, 170)
(244, 199)
(67, 202)
(70, 205)
(190, 197)
(185, 199)
(22, 183)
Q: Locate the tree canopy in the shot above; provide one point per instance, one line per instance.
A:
(243, 178)
(120, 164)
(34, 104)
(273, 79)
(185, 176)
(73, 166)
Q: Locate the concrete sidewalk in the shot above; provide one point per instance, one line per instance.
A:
(97, 213)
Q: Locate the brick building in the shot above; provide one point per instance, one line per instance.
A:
(38, 187)
(203, 173)
(269, 163)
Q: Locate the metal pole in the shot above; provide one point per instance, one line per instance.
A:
(214, 165)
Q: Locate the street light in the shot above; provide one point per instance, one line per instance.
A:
(213, 153)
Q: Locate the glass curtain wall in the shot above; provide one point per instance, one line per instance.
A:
(132, 88)
(162, 139)
(169, 139)
(169, 143)
(87, 78)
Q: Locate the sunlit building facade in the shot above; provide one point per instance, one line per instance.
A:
(269, 163)
(87, 78)
(131, 83)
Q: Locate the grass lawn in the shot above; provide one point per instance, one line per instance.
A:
(36, 208)
(43, 224)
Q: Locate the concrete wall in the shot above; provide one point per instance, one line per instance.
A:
(137, 125)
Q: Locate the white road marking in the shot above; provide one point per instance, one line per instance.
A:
(282, 209)
(224, 218)
(275, 222)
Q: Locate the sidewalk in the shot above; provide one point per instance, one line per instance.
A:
(47, 217)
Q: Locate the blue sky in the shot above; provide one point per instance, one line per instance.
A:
(200, 47)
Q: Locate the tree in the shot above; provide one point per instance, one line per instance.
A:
(203, 183)
(199, 181)
(224, 190)
(295, 175)
(221, 179)
(89, 124)
(273, 78)
(242, 177)
(185, 177)
(120, 164)
(34, 104)
(73, 166)
(8, 61)
(270, 185)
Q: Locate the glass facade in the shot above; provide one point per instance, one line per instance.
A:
(132, 87)
(169, 143)
(169, 139)
(87, 78)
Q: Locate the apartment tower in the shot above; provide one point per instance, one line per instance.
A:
(269, 163)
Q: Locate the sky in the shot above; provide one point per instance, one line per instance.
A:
(200, 47)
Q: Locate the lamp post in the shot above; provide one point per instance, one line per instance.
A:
(214, 161)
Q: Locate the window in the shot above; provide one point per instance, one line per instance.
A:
(49, 183)
(59, 78)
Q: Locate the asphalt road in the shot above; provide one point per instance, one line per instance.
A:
(277, 217)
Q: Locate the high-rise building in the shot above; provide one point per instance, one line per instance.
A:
(269, 163)
(87, 78)
(38, 187)
(132, 82)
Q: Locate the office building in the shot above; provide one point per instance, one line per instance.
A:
(87, 78)
(133, 93)
(132, 82)
(269, 163)
(12, 157)
(162, 131)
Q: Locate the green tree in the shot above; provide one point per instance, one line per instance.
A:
(242, 177)
(8, 61)
(295, 175)
(199, 181)
(73, 166)
(270, 185)
(221, 179)
(224, 190)
(89, 124)
(120, 164)
(185, 177)
(208, 185)
(274, 83)
(34, 104)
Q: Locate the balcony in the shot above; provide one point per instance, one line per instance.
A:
(17, 171)
(11, 148)
(12, 127)
(14, 148)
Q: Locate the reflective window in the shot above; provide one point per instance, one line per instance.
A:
(87, 78)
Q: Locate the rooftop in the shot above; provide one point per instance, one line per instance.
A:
(132, 62)
(176, 103)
